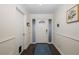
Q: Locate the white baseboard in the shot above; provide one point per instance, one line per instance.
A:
(33, 42)
(49, 42)
(21, 52)
(26, 46)
(38, 42)
(58, 49)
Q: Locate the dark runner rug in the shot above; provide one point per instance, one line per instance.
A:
(42, 49)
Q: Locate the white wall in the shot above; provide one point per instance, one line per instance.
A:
(26, 28)
(8, 32)
(67, 35)
(7, 29)
(38, 17)
(27, 34)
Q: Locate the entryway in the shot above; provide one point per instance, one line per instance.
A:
(42, 31)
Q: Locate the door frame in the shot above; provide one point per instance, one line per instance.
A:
(33, 32)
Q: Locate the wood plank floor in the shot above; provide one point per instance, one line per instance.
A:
(30, 50)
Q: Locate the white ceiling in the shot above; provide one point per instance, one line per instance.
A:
(40, 8)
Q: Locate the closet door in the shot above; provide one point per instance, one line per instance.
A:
(20, 29)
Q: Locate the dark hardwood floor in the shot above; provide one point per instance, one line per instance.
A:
(31, 48)
(54, 50)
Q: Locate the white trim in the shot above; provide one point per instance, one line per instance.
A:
(49, 42)
(19, 9)
(58, 49)
(33, 43)
(25, 48)
(21, 52)
(7, 39)
(39, 42)
(70, 37)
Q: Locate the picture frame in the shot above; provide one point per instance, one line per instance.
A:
(73, 14)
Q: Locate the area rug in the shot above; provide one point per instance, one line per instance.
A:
(42, 49)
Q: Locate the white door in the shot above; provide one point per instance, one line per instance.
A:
(20, 28)
(41, 31)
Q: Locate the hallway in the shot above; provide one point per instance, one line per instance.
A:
(39, 29)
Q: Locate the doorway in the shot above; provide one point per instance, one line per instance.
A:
(39, 31)
(42, 31)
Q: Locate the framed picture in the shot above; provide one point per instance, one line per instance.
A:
(73, 14)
